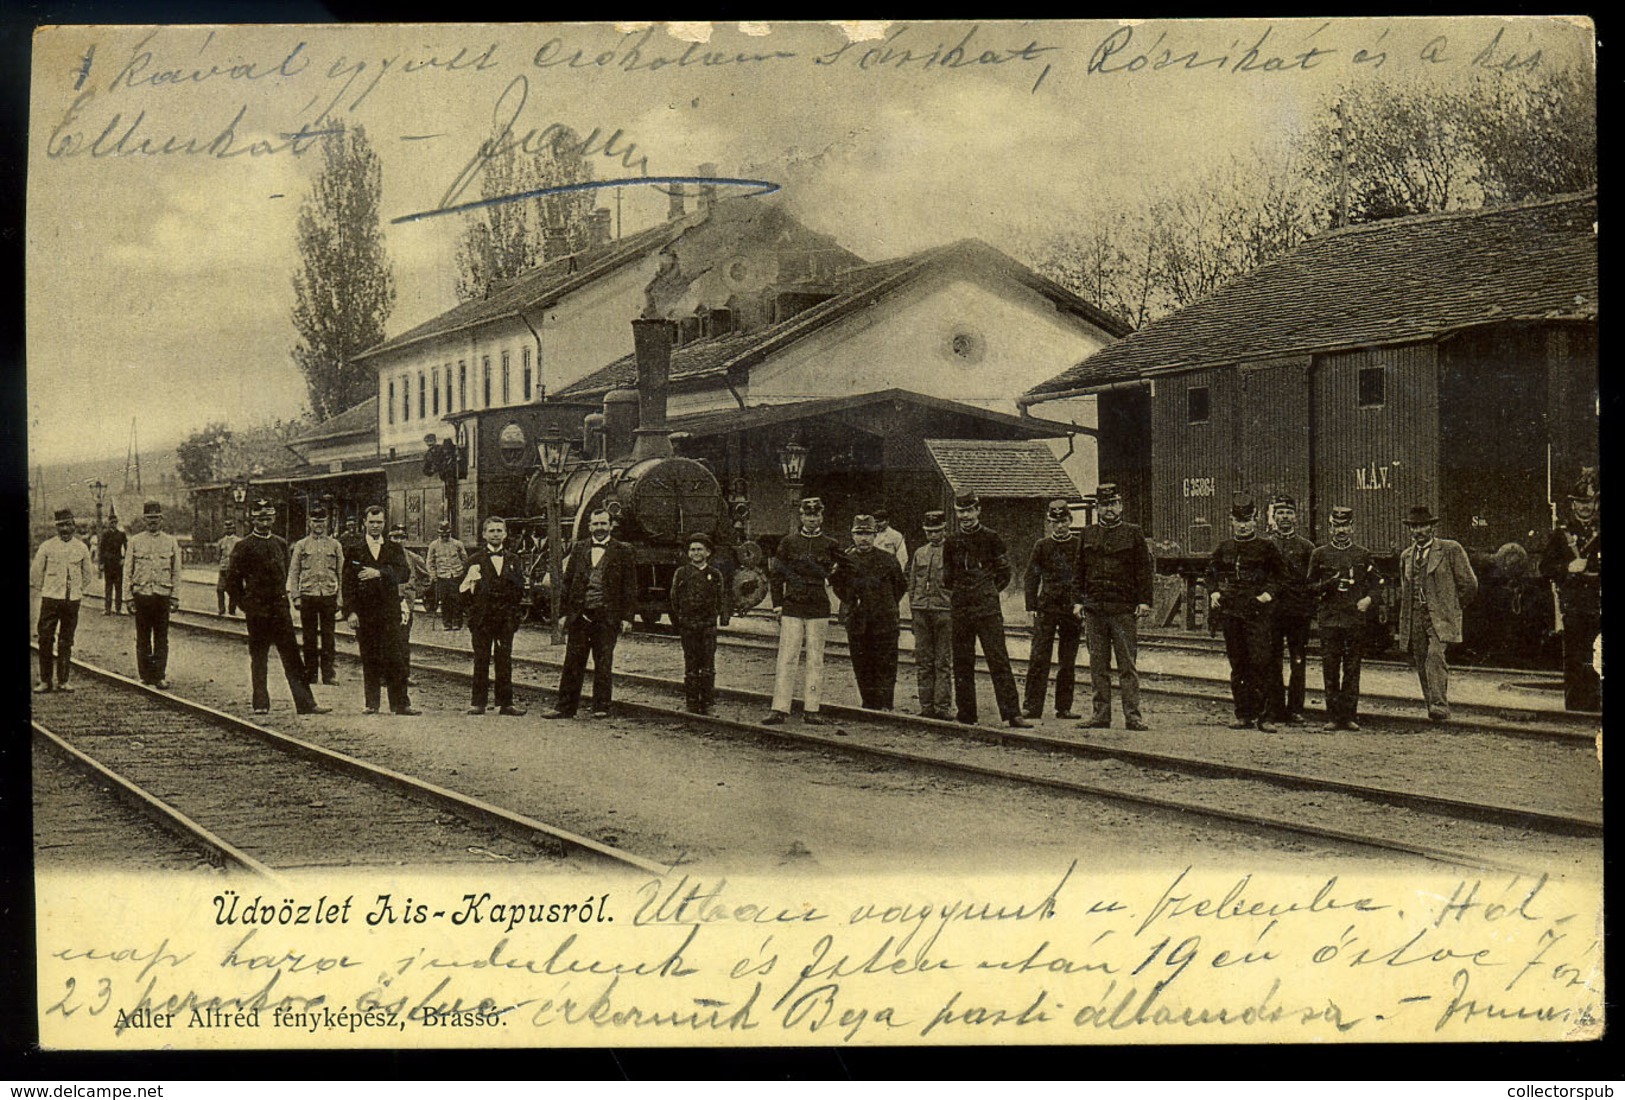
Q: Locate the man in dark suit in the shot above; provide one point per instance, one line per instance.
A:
(494, 587)
(1572, 561)
(600, 593)
(374, 570)
(256, 579)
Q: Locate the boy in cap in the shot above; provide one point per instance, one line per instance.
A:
(803, 563)
(223, 547)
(257, 580)
(1051, 591)
(447, 560)
(1115, 586)
(155, 575)
(870, 583)
(314, 566)
(1244, 577)
(1341, 577)
(1436, 582)
(976, 570)
(58, 578)
(1572, 561)
(495, 586)
(699, 604)
(930, 610)
(1294, 611)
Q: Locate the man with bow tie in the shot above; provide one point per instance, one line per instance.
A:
(494, 587)
(600, 594)
(374, 569)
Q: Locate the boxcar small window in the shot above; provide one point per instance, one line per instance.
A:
(1373, 387)
(1197, 405)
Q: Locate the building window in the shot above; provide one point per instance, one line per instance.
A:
(449, 406)
(462, 384)
(436, 404)
(1198, 405)
(423, 395)
(524, 362)
(406, 397)
(1373, 387)
(485, 379)
(506, 398)
(390, 404)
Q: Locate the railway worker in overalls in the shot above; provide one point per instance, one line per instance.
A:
(223, 548)
(59, 577)
(155, 576)
(257, 579)
(699, 604)
(1115, 587)
(600, 594)
(1572, 561)
(1052, 596)
(803, 564)
(110, 560)
(976, 570)
(929, 607)
(494, 584)
(314, 567)
(447, 559)
(1436, 582)
(870, 582)
(369, 592)
(1342, 580)
(1294, 612)
(1245, 576)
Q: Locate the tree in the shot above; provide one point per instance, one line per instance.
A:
(345, 287)
(506, 238)
(217, 453)
(197, 457)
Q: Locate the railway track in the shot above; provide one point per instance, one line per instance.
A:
(183, 764)
(1273, 799)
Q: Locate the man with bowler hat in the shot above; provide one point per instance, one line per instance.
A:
(1436, 582)
(1051, 593)
(930, 610)
(870, 584)
(976, 570)
(155, 576)
(1572, 561)
(59, 577)
(1115, 588)
(256, 578)
(803, 564)
(1341, 579)
(315, 566)
(1244, 578)
(1294, 612)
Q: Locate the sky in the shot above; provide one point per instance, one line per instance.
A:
(159, 284)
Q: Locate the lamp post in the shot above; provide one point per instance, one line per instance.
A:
(99, 488)
(793, 465)
(553, 451)
(239, 495)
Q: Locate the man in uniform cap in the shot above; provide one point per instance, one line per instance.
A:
(976, 569)
(1051, 593)
(447, 560)
(155, 575)
(932, 616)
(1436, 582)
(1115, 586)
(257, 580)
(110, 560)
(1341, 579)
(805, 561)
(1572, 561)
(223, 547)
(1245, 576)
(1294, 612)
(699, 604)
(870, 583)
(314, 567)
(889, 538)
(416, 585)
(59, 577)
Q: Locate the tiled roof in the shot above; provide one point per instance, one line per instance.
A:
(757, 416)
(1002, 468)
(1394, 281)
(357, 418)
(541, 286)
(855, 289)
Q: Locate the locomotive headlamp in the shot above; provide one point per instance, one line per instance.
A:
(793, 461)
(553, 451)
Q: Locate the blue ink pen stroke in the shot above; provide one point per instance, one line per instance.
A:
(756, 187)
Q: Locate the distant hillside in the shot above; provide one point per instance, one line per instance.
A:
(64, 487)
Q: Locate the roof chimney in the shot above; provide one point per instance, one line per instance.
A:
(708, 191)
(652, 339)
(674, 201)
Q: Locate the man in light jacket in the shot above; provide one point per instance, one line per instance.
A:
(1436, 582)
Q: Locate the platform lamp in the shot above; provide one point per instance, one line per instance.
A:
(98, 488)
(793, 465)
(554, 451)
(239, 496)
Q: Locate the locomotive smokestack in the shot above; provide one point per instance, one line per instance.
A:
(652, 338)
